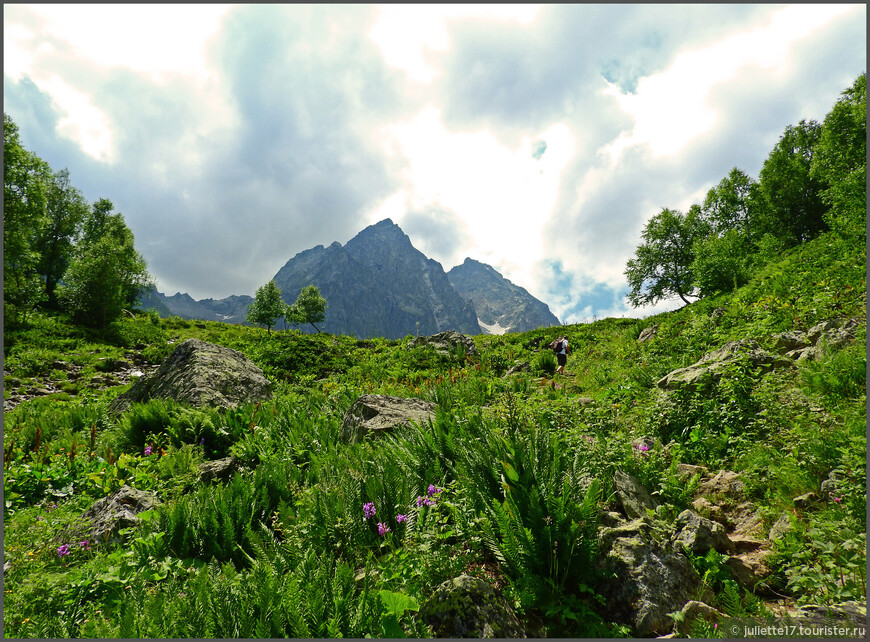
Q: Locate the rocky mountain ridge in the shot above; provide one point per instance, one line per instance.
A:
(379, 284)
(501, 306)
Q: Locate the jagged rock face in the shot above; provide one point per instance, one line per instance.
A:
(379, 285)
(200, 374)
(376, 414)
(499, 303)
(468, 607)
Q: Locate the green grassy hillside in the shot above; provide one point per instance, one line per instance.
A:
(525, 465)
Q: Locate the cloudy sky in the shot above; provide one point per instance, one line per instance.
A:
(536, 138)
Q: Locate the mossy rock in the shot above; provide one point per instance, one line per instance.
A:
(468, 607)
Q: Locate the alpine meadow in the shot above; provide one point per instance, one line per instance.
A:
(697, 472)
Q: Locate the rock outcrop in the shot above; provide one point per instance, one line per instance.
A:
(106, 517)
(446, 343)
(635, 499)
(373, 415)
(646, 579)
(200, 374)
(816, 342)
(712, 365)
(468, 607)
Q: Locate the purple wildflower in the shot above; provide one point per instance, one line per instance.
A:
(369, 510)
(63, 550)
(401, 518)
(641, 447)
(85, 544)
(383, 529)
(147, 450)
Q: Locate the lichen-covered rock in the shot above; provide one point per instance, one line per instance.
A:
(219, 470)
(468, 607)
(200, 374)
(647, 334)
(646, 581)
(699, 534)
(724, 483)
(816, 342)
(635, 499)
(713, 364)
(107, 516)
(375, 414)
(446, 342)
(695, 610)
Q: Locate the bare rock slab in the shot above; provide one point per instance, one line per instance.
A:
(376, 414)
(200, 374)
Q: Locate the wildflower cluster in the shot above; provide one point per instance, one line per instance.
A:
(64, 549)
(430, 499)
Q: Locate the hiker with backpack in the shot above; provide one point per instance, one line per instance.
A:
(562, 349)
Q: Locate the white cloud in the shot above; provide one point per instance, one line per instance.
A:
(406, 33)
(157, 41)
(503, 196)
(672, 108)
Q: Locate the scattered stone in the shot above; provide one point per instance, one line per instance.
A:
(446, 342)
(686, 471)
(780, 528)
(645, 583)
(743, 544)
(219, 470)
(200, 374)
(711, 366)
(850, 614)
(611, 519)
(637, 528)
(634, 497)
(648, 334)
(725, 482)
(717, 313)
(805, 500)
(468, 607)
(830, 485)
(750, 570)
(747, 521)
(376, 414)
(523, 366)
(694, 610)
(699, 535)
(119, 510)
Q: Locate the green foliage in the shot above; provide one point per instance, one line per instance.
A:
(545, 363)
(24, 221)
(267, 307)
(662, 264)
(519, 468)
(309, 307)
(840, 161)
(721, 262)
(106, 273)
(793, 209)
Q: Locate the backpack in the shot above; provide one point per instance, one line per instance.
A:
(556, 345)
